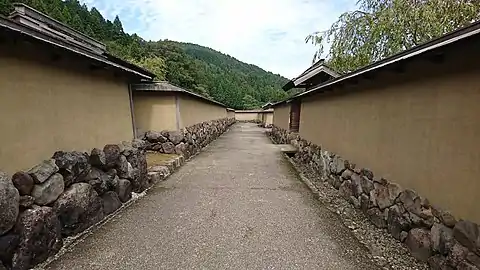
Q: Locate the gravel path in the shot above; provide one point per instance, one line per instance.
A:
(237, 205)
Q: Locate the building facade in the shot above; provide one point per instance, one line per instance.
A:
(163, 106)
(58, 90)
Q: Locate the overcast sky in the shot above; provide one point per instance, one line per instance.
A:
(268, 33)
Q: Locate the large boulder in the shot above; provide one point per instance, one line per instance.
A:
(346, 189)
(471, 257)
(338, 165)
(138, 160)
(155, 137)
(347, 174)
(124, 190)
(9, 203)
(419, 243)
(444, 216)
(367, 173)
(124, 168)
(40, 237)
(438, 262)
(111, 202)
(97, 158)
(23, 182)
(78, 208)
(456, 255)
(468, 234)
(366, 184)
(385, 194)
(168, 148)
(112, 153)
(397, 221)
(176, 137)
(140, 144)
(357, 184)
(100, 181)
(377, 217)
(180, 148)
(41, 172)
(48, 191)
(366, 202)
(72, 165)
(442, 238)
(8, 245)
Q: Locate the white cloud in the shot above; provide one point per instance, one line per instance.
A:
(267, 33)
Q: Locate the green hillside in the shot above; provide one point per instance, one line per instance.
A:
(203, 70)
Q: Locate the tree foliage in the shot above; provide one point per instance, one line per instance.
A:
(380, 28)
(200, 69)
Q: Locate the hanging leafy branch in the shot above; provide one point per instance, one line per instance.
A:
(380, 28)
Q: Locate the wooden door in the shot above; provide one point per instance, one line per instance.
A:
(295, 116)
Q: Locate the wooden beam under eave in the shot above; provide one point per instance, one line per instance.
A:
(437, 58)
(55, 57)
(369, 75)
(399, 67)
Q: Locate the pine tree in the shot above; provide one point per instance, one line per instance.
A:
(5, 7)
(117, 25)
(77, 24)
(66, 16)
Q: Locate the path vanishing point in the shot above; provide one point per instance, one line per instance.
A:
(237, 205)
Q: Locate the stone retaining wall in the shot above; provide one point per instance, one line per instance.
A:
(66, 194)
(188, 141)
(256, 121)
(430, 233)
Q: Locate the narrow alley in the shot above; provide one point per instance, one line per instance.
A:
(237, 205)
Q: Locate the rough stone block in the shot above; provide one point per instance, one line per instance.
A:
(9, 203)
(48, 191)
(419, 243)
(39, 237)
(41, 172)
(23, 182)
(468, 233)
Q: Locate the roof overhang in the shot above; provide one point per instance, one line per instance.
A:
(166, 87)
(316, 70)
(412, 53)
(33, 34)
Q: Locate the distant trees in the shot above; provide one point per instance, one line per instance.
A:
(200, 69)
(380, 28)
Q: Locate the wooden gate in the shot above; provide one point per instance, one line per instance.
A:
(294, 124)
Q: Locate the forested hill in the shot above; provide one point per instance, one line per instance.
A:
(200, 69)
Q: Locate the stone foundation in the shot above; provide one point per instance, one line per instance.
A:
(188, 141)
(72, 191)
(64, 195)
(256, 121)
(430, 233)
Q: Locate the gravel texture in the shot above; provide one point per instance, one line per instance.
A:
(386, 250)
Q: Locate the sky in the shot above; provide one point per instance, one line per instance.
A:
(267, 33)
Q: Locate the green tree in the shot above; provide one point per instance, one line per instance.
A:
(191, 66)
(66, 16)
(154, 64)
(380, 28)
(77, 23)
(250, 102)
(117, 25)
(5, 7)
